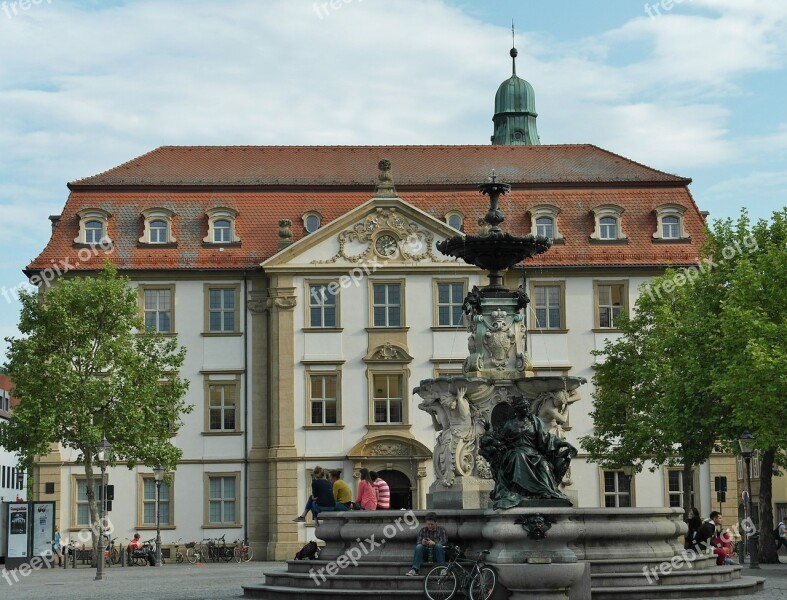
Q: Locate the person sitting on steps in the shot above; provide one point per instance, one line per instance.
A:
(431, 536)
(322, 496)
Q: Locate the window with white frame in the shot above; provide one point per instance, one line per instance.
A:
(223, 313)
(222, 499)
(608, 223)
(222, 406)
(455, 220)
(675, 489)
(548, 300)
(221, 226)
(158, 226)
(387, 304)
(617, 490)
(323, 305)
(544, 221)
(312, 221)
(157, 302)
(82, 513)
(149, 502)
(324, 398)
(388, 398)
(450, 299)
(93, 227)
(611, 302)
(670, 223)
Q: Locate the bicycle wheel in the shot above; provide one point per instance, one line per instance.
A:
(227, 554)
(115, 554)
(483, 584)
(191, 555)
(247, 554)
(178, 557)
(440, 583)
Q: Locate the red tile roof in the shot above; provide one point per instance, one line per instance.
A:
(357, 165)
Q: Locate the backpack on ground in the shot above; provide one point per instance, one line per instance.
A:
(311, 551)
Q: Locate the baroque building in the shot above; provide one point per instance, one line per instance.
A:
(306, 285)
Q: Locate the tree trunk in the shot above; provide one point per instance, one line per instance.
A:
(767, 542)
(92, 503)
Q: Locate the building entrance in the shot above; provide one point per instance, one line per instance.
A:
(401, 491)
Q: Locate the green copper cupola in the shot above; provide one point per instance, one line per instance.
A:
(515, 112)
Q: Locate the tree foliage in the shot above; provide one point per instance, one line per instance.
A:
(703, 357)
(86, 368)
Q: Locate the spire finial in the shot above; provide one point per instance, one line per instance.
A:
(513, 52)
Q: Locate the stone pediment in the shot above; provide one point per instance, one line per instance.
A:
(381, 232)
(388, 353)
(390, 446)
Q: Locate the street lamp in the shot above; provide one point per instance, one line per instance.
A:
(102, 453)
(158, 473)
(628, 472)
(20, 479)
(746, 442)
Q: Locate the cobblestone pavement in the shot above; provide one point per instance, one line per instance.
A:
(213, 582)
(170, 582)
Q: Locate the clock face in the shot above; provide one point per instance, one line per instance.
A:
(385, 245)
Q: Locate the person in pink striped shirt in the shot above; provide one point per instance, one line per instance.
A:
(383, 491)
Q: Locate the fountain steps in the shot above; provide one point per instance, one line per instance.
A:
(386, 580)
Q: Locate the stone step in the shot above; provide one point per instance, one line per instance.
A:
(686, 577)
(737, 587)
(271, 592)
(374, 568)
(353, 581)
(633, 565)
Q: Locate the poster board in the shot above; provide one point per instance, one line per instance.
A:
(18, 524)
(43, 524)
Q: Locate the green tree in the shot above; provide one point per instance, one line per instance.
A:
(86, 368)
(752, 360)
(653, 398)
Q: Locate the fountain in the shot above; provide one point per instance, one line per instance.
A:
(502, 479)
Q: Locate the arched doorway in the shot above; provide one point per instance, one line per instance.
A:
(401, 489)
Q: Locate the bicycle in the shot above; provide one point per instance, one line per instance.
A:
(111, 553)
(442, 581)
(178, 554)
(193, 554)
(242, 552)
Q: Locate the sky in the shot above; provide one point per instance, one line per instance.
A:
(691, 87)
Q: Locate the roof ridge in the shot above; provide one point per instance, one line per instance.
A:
(639, 164)
(131, 160)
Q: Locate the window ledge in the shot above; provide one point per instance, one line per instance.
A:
(539, 331)
(157, 245)
(371, 426)
(221, 334)
(153, 528)
(221, 245)
(215, 433)
(686, 240)
(449, 327)
(559, 241)
(106, 246)
(615, 242)
(323, 329)
(323, 427)
(606, 330)
(222, 526)
(403, 329)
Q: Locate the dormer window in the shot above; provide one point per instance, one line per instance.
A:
(93, 226)
(94, 232)
(312, 221)
(455, 220)
(669, 223)
(608, 223)
(545, 226)
(544, 221)
(608, 226)
(221, 226)
(158, 226)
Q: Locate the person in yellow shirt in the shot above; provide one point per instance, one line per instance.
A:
(341, 491)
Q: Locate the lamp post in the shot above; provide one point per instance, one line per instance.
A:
(746, 442)
(20, 479)
(158, 473)
(102, 453)
(628, 472)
